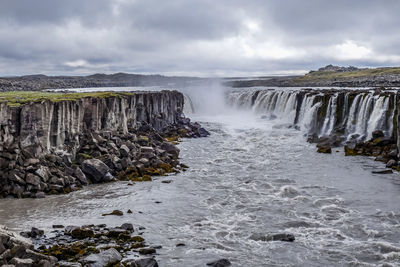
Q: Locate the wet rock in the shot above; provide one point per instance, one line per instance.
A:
(22, 262)
(32, 179)
(129, 211)
(81, 233)
(114, 212)
(383, 172)
(57, 226)
(150, 262)
(81, 176)
(391, 163)
(95, 169)
(220, 263)
(43, 172)
(147, 251)
(324, 149)
(124, 151)
(40, 195)
(377, 134)
(104, 258)
(127, 226)
(203, 132)
(287, 237)
(69, 264)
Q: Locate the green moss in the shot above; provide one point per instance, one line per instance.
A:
(18, 98)
(327, 75)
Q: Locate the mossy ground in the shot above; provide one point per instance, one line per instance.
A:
(17, 98)
(327, 75)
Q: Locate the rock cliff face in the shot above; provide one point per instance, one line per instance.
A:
(51, 126)
(59, 145)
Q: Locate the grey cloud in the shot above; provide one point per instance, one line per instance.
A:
(206, 37)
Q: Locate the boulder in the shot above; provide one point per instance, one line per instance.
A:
(124, 151)
(220, 263)
(43, 172)
(391, 163)
(144, 263)
(22, 262)
(105, 258)
(377, 134)
(147, 251)
(95, 169)
(32, 179)
(171, 149)
(81, 176)
(287, 237)
(324, 149)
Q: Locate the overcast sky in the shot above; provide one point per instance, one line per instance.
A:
(195, 37)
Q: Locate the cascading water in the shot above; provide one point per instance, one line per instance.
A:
(356, 114)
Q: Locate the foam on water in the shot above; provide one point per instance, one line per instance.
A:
(254, 174)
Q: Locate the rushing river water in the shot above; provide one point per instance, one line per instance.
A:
(251, 176)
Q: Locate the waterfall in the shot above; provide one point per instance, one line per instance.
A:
(352, 114)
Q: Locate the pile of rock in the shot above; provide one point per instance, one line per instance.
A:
(97, 245)
(101, 157)
(383, 149)
(15, 250)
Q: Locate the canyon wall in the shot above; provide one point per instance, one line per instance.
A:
(50, 126)
(57, 145)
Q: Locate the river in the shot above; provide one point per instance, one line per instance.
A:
(251, 176)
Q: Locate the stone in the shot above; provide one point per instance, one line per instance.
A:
(220, 263)
(95, 169)
(391, 163)
(377, 134)
(104, 258)
(171, 149)
(203, 132)
(127, 226)
(68, 264)
(82, 233)
(40, 195)
(114, 212)
(43, 172)
(31, 161)
(15, 178)
(383, 171)
(124, 151)
(147, 251)
(146, 150)
(150, 262)
(324, 149)
(22, 262)
(32, 179)
(81, 176)
(287, 237)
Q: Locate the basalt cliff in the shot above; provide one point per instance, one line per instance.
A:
(60, 142)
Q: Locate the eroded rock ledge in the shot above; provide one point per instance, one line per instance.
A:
(59, 142)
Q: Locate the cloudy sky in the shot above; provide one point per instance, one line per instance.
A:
(195, 37)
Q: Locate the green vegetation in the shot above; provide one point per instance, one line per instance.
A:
(333, 75)
(17, 98)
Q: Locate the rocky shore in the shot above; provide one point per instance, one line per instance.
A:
(51, 147)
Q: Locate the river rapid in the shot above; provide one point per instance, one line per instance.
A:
(253, 175)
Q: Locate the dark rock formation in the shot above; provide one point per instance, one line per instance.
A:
(57, 147)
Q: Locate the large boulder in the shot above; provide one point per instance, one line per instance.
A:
(105, 258)
(96, 170)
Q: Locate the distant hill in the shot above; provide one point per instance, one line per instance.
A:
(42, 82)
(331, 76)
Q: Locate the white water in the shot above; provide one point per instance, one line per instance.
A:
(367, 112)
(254, 175)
